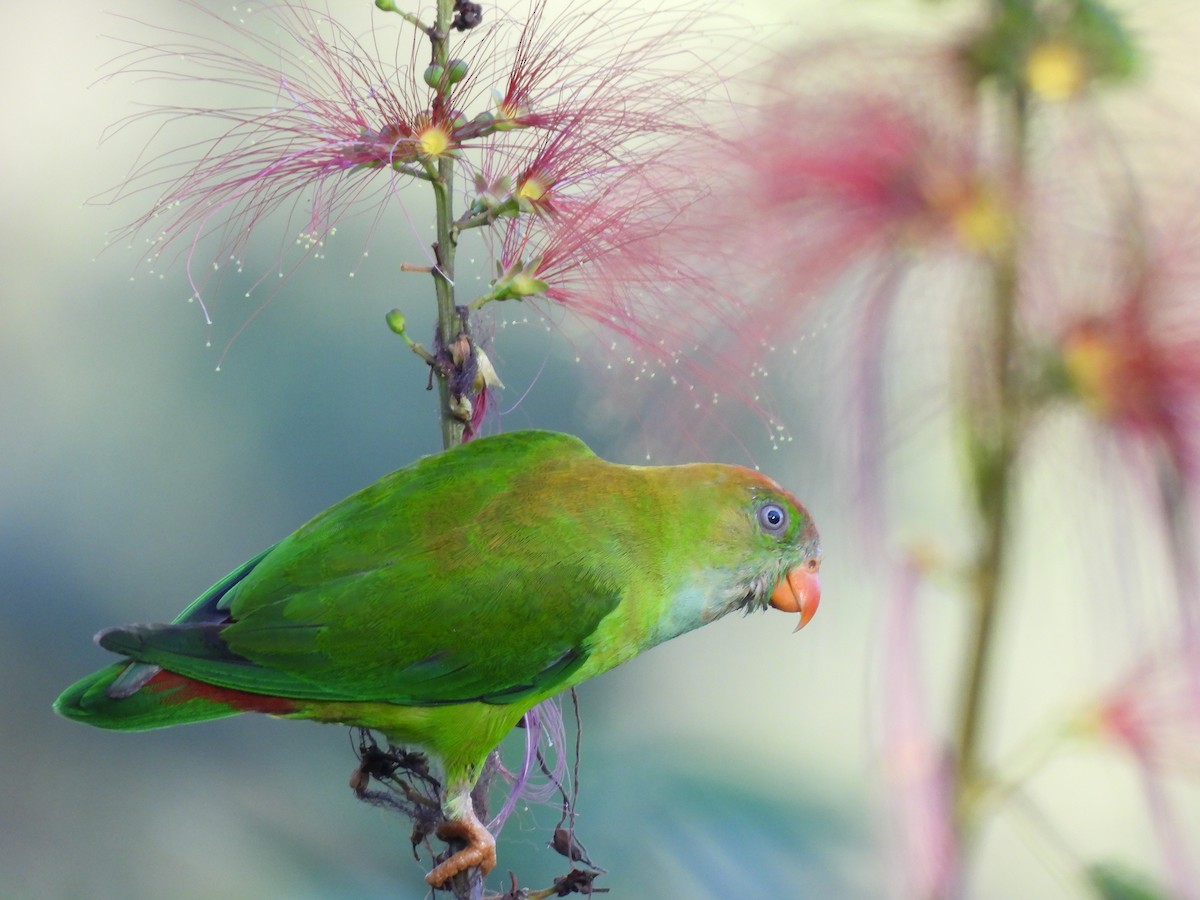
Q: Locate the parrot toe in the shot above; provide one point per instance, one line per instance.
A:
(480, 849)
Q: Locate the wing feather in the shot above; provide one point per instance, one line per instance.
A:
(462, 577)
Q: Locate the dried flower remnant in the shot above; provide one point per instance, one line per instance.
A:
(466, 15)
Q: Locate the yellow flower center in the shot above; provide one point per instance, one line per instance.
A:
(1055, 70)
(532, 189)
(982, 223)
(434, 141)
(976, 217)
(1090, 362)
(508, 116)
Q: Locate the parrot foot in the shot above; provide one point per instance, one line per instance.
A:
(480, 850)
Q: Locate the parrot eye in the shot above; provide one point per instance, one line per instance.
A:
(773, 518)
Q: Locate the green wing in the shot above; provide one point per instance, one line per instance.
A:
(467, 576)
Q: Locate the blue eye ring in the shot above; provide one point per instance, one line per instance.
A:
(773, 518)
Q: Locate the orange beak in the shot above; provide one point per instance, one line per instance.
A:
(799, 592)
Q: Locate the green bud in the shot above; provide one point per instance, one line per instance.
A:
(457, 70)
(523, 285)
(518, 281)
(395, 321)
(386, 5)
(433, 75)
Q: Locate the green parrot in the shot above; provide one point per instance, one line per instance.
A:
(444, 601)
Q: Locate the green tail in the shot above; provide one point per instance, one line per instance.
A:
(164, 701)
(135, 696)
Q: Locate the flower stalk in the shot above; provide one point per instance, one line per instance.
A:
(450, 324)
(995, 420)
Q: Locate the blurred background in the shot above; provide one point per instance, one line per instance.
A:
(741, 760)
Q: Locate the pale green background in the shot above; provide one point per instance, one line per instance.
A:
(740, 761)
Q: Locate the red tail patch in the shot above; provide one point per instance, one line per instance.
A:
(178, 689)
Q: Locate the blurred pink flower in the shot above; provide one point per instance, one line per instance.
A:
(1127, 351)
(1135, 362)
(1154, 710)
(864, 156)
(1154, 714)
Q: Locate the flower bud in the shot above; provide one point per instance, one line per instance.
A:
(395, 321)
(457, 70)
(524, 284)
(433, 75)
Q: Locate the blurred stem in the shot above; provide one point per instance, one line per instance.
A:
(994, 421)
(449, 323)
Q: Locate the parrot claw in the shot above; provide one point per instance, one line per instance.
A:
(480, 850)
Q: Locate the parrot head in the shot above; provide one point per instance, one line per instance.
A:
(763, 541)
(780, 516)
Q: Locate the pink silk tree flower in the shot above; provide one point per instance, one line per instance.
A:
(1127, 352)
(603, 263)
(1136, 369)
(331, 124)
(858, 166)
(326, 115)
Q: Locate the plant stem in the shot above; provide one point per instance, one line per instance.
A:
(994, 419)
(449, 323)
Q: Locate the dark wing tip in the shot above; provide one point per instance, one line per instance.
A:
(127, 640)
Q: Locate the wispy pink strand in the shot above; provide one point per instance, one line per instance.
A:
(545, 740)
(918, 763)
(869, 386)
(264, 156)
(1184, 884)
